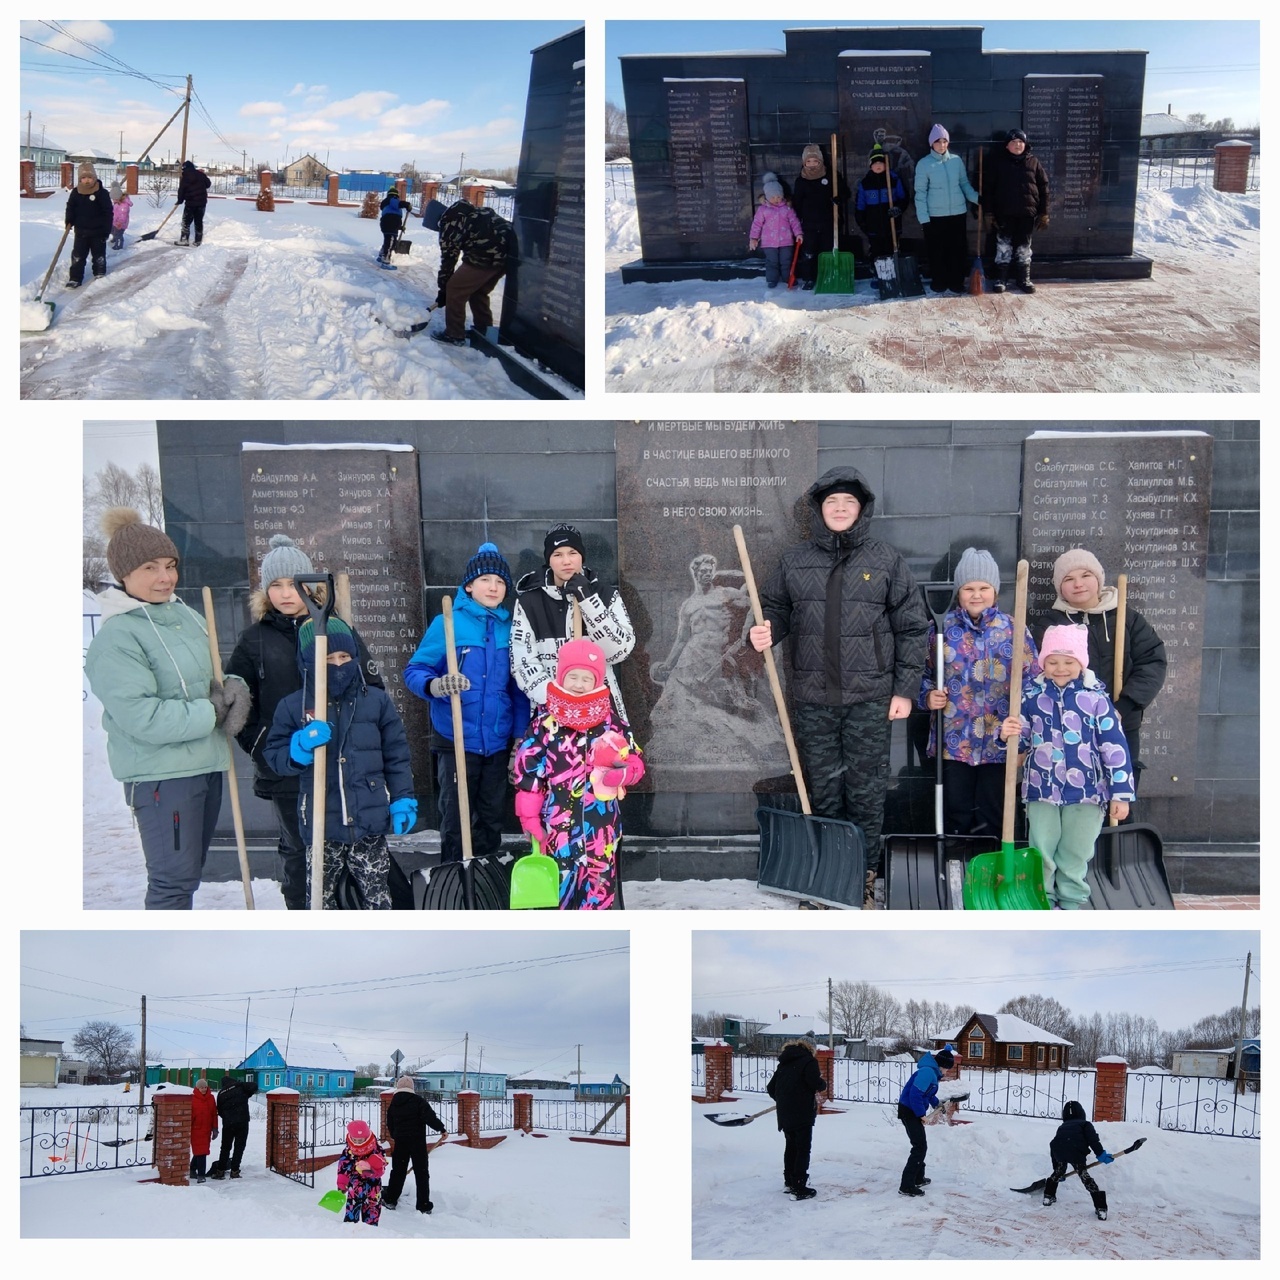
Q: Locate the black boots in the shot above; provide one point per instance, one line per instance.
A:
(1100, 1205)
(1024, 278)
(998, 277)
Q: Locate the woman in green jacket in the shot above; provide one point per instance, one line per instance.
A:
(166, 718)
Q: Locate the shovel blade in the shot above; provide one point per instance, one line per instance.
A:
(1011, 880)
(333, 1200)
(835, 272)
(535, 883)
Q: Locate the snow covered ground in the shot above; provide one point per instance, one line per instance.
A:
(1194, 326)
(516, 1190)
(273, 306)
(1180, 1196)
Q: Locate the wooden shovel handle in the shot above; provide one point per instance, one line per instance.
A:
(771, 668)
(459, 747)
(1122, 604)
(1015, 700)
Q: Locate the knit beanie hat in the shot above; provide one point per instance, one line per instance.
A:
(405, 1082)
(977, 566)
(944, 1059)
(580, 653)
(340, 640)
(86, 170)
(1066, 639)
(488, 559)
(938, 132)
(285, 559)
(562, 535)
(131, 543)
(877, 154)
(359, 1136)
(771, 186)
(1077, 558)
(811, 152)
(1015, 135)
(117, 193)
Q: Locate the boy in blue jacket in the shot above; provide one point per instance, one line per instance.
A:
(369, 782)
(919, 1097)
(494, 710)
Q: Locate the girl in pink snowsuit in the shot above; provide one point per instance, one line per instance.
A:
(775, 230)
(120, 207)
(360, 1169)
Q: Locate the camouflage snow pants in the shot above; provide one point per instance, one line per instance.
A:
(845, 753)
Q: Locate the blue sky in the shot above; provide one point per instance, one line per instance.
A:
(1197, 66)
(1175, 977)
(366, 95)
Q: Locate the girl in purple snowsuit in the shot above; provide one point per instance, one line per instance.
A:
(121, 206)
(360, 1169)
(774, 230)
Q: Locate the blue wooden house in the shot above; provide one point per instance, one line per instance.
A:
(319, 1071)
(445, 1076)
(614, 1089)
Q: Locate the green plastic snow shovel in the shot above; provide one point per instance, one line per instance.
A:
(333, 1200)
(535, 882)
(1013, 879)
(835, 269)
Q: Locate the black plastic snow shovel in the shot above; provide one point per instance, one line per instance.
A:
(44, 284)
(735, 1119)
(1013, 879)
(320, 611)
(1093, 1164)
(926, 873)
(812, 859)
(151, 235)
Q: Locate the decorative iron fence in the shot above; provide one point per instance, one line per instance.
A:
(619, 183)
(574, 1116)
(58, 1140)
(1161, 170)
(1194, 1104)
(302, 1168)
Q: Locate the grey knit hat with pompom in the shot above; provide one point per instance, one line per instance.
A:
(285, 560)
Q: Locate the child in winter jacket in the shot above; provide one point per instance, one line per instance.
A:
(795, 1086)
(973, 695)
(774, 230)
(572, 771)
(1016, 195)
(943, 194)
(360, 1169)
(874, 211)
(120, 208)
(391, 223)
(88, 216)
(1071, 1145)
(494, 709)
(918, 1098)
(1078, 764)
(369, 784)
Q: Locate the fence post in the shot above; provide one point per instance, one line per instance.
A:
(171, 1143)
(522, 1112)
(1110, 1088)
(627, 1108)
(282, 1130)
(719, 1073)
(332, 195)
(469, 1116)
(1231, 166)
(131, 179)
(266, 200)
(27, 177)
(67, 178)
(826, 1063)
(474, 195)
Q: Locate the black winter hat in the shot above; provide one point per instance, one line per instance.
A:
(1015, 135)
(944, 1058)
(1073, 1111)
(488, 559)
(562, 535)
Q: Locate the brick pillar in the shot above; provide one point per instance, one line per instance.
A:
(523, 1109)
(131, 179)
(282, 1131)
(1231, 166)
(429, 190)
(266, 199)
(719, 1071)
(68, 178)
(402, 188)
(1110, 1088)
(384, 1099)
(27, 177)
(171, 1146)
(469, 1115)
(627, 1107)
(826, 1057)
(332, 195)
(474, 195)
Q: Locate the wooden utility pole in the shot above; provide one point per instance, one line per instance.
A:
(1244, 1008)
(831, 1033)
(142, 1052)
(186, 120)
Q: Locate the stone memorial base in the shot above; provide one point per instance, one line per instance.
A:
(522, 372)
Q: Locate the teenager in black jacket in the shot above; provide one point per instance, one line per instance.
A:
(795, 1086)
(1015, 192)
(409, 1116)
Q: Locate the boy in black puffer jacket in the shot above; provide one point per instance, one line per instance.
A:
(89, 215)
(795, 1086)
(1016, 195)
(409, 1116)
(369, 784)
(1071, 1145)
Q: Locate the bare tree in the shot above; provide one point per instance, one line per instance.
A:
(94, 570)
(157, 188)
(1041, 1011)
(860, 1009)
(150, 499)
(616, 140)
(105, 1045)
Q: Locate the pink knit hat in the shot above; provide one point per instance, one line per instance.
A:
(580, 653)
(1069, 640)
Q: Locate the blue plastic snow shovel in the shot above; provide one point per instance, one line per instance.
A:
(535, 882)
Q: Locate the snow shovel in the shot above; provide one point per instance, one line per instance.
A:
(1127, 870)
(413, 328)
(795, 257)
(535, 882)
(459, 760)
(233, 788)
(735, 1119)
(887, 278)
(816, 860)
(333, 1200)
(1093, 1164)
(1013, 879)
(320, 612)
(977, 281)
(151, 235)
(835, 269)
(57, 253)
(927, 872)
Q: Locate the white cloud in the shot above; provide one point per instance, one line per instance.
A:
(408, 115)
(363, 106)
(96, 33)
(262, 108)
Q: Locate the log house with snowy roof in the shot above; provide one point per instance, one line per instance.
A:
(1002, 1040)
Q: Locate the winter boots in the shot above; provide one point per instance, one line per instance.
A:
(1024, 278)
(911, 1191)
(802, 1193)
(869, 892)
(998, 274)
(1100, 1205)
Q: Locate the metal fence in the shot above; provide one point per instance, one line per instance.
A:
(1195, 1104)
(1163, 170)
(59, 1140)
(619, 183)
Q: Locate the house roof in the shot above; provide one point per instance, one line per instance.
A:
(454, 1062)
(304, 1054)
(797, 1026)
(1006, 1028)
(1160, 124)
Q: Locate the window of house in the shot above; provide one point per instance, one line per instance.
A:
(311, 1081)
(320, 1081)
(1015, 1053)
(1053, 1055)
(976, 1049)
(1039, 1055)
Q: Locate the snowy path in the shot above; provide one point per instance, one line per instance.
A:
(283, 306)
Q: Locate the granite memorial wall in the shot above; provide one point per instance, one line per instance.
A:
(1081, 109)
(940, 486)
(543, 299)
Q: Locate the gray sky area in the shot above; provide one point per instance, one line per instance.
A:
(1173, 977)
(126, 442)
(528, 998)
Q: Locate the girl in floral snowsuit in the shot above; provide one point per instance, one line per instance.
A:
(360, 1169)
(571, 771)
(1078, 766)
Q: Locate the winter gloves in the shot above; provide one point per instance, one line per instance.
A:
(446, 686)
(529, 815)
(580, 586)
(231, 704)
(1106, 1158)
(372, 1167)
(303, 743)
(404, 813)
